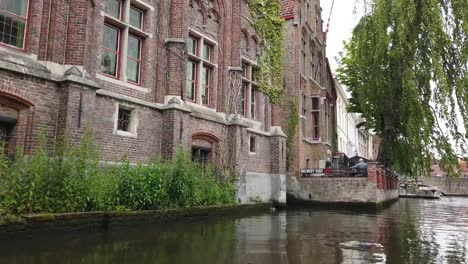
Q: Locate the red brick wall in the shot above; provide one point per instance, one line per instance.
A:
(71, 33)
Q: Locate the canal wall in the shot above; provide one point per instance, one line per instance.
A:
(449, 186)
(379, 187)
(261, 187)
(49, 223)
(339, 190)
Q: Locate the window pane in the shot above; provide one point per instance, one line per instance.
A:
(242, 99)
(206, 52)
(252, 144)
(255, 73)
(315, 117)
(253, 98)
(315, 103)
(134, 47)
(18, 7)
(192, 46)
(111, 38)
(113, 8)
(190, 83)
(123, 121)
(245, 69)
(133, 71)
(136, 18)
(206, 85)
(12, 30)
(109, 63)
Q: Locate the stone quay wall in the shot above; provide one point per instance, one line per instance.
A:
(448, 186)
(379, 187)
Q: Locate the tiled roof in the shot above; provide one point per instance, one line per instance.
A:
(287, 9)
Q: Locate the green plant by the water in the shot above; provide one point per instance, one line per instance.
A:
(69, 178)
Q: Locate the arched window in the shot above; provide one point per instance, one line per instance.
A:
(203, 148)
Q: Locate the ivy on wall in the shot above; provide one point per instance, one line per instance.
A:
(269, 25)
(291, 133)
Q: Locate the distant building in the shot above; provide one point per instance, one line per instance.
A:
(437, 171)
(346, 131)
(309, 84)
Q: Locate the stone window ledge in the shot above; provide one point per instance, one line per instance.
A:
(311, 141)
(122, 83)
(125, 134)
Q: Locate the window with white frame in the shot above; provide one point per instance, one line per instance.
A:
(123, 39)
(315, 118)
(125, 121)
(249, 91)
(200, 68)
(13, 22)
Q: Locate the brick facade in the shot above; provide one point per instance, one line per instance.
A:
(57, 82)
(309, 83)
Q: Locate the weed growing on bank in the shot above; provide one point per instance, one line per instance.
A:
(71, 179)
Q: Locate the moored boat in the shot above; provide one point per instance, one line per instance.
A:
(419, 190)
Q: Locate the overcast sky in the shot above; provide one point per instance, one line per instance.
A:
(343, 20)
(342, 23)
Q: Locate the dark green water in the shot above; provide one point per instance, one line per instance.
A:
(410, 231)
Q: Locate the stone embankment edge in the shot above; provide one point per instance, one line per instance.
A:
(293, 201)
(105, 220)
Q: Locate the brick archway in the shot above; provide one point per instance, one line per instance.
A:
(16, 120)
(204, 147)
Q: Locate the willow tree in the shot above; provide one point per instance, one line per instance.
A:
(406, 69)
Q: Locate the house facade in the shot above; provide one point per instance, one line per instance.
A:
(147, 76)
(310, 86)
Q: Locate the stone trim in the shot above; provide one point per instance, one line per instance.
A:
(122, 83)
(44, 70)
(129, 99)
(174, 40)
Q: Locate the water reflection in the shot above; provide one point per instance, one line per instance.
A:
(411, 231)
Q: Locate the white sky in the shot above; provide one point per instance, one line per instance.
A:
(343, 20)
(342, 23)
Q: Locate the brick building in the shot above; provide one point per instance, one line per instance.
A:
(310, 85)
(148, 76)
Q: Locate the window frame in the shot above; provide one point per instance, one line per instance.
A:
(243, 99)
(206, 86)
(120, 10)
(120, 126)
(132, 124)
(26, 19)
(253, 103)
(201, 63)
(304, 115)
(126, 31)
(194, 82)
(251, 89)
(254, 145)
(140, 51)
(118, 60)
(142, 27)
(315, 114)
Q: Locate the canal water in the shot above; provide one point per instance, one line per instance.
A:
(410, 231)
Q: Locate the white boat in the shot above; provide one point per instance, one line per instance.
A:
(419, 190)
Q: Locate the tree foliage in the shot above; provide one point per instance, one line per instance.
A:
(406, 68)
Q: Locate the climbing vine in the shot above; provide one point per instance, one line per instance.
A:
(291, 133)
(269, 25)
